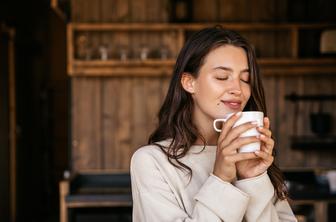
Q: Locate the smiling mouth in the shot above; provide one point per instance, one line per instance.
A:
(232, 104)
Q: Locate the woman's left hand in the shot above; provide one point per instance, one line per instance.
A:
(255, 167)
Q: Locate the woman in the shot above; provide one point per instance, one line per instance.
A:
(188, 171)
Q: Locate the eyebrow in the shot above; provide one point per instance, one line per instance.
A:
(230, 70)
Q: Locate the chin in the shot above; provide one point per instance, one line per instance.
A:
(222, 114)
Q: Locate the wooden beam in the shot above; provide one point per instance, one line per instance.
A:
(195, 26)
(98, 203)
(70, 48)
(63, 192)
(12, 118)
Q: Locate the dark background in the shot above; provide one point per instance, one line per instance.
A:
(38, 169)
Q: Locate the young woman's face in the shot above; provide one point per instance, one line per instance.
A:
(222, 85)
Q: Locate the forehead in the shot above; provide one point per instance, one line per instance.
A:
(227, 55)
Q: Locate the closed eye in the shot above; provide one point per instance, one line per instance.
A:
(221, 78)
(245, 77)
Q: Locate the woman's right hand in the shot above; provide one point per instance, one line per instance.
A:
(227, 148)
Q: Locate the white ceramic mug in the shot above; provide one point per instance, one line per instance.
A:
(247, 116)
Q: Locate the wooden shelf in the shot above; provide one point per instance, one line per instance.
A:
(147, 62)
(269, 66)
(123, 68)
(295, 66)
(194, 26)
(292, 65)
(313, 142)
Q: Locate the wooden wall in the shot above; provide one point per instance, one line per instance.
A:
(282, 112)
(113, 116)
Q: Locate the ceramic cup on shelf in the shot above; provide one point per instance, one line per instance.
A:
(144, 52)
(247, 116)
(320, 123)
(123, 53)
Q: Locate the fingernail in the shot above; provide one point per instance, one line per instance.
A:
(257, 152)
(260, 127)
(262, 136)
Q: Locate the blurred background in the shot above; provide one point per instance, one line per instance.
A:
(82, 81)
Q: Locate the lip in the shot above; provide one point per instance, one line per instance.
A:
(232, 104)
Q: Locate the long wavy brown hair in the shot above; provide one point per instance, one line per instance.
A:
(175, 115)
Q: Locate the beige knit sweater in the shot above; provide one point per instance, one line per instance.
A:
(163, 193)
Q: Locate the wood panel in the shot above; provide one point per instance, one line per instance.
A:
(115, 11)
(261, 10)
(158, 11)
(139, 120)
(123, 127)
(284, 123)
(111, 91)
(106, 137)
(270, 44)
(86, 124)
(86, 10)
(113, 116)
(269, 87)
(205, 11)
(319, 157)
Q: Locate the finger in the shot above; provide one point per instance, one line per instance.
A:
(266, 122)
(265, 131)
(228, 125)
(265, 156)
(267, 150)
(268, 142)
(240, 157)
(238, 130)
(238, 143)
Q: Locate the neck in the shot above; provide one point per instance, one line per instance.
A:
(205, 128)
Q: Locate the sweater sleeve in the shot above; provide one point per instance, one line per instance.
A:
(262, 207)
(155, 199)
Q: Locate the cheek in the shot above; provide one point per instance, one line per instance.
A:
(209, 88)
(246, 90)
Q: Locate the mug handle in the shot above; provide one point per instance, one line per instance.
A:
(215, 124)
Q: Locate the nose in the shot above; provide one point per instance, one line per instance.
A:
(235, 88)
(235, 91)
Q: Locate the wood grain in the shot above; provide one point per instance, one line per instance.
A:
(86, 123)
(115, 104)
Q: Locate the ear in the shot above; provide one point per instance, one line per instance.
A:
(188, 82)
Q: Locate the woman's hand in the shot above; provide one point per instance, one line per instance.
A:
(255, 167)
(229, 142)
